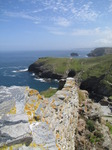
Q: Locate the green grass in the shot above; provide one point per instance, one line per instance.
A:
(90, 66)
(90, 125)
(110, 98)
(109, 126)
(87, 67)
(95, 137)
(48, 93)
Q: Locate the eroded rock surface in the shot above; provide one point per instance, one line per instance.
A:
(30, 121)
(15, 129)
(68, 120)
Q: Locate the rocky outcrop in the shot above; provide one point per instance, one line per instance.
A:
(100, 51)
(7, 101)
(43, 72)
(74, 54)
(97, 87)
(14, 129)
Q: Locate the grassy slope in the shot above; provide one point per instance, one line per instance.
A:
(49, 92)
(88, 67)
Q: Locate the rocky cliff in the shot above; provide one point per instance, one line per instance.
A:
(66, 121)
(93, 74)
(100, 51)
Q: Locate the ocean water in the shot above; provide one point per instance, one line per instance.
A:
(14, 66)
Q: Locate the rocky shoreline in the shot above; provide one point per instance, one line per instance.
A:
(43, 72)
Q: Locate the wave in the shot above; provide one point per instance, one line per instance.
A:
(11, 75)
(33, 74)
(39, 79)
(21, 70)
(53, 88)
(12, 67)
(86, 55)
(56, 80)
(8, 75)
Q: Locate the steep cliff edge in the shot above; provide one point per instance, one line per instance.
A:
(93, 74)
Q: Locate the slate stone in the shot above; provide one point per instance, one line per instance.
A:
(14, 130)
(42, 134)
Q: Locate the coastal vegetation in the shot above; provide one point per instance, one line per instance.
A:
(49, 92)
(109, 125)
(93, 74)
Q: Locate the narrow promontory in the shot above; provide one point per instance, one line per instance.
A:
(92, 74)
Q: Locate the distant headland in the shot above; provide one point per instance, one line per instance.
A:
(92, 74)
(100, 51)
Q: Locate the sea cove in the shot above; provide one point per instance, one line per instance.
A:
(14, 66)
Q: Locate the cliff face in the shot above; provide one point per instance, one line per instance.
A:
(100, 51)
(93, 74)
(42, 71)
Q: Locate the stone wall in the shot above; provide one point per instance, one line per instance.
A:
(62, 115)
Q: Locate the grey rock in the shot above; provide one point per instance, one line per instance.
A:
(107, 144)
(6, 101)
(9, 96)
(42, 134)
(14, 129)
(62, 97)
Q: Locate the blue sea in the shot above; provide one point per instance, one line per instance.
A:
(14, 66)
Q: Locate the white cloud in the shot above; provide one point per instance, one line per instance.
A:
(85, 12)
(69, 10)
(62, 21)
(105, 37)
(85, 32)
(55, 31)
(97, 36)
(22, 15)
(63, 13)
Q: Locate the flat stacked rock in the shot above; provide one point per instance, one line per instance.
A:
(28, 121)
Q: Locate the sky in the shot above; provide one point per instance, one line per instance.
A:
(55, 24)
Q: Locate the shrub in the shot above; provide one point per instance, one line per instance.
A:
(90, 125)
(95, 137)
(110, 98)
(98, 134)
